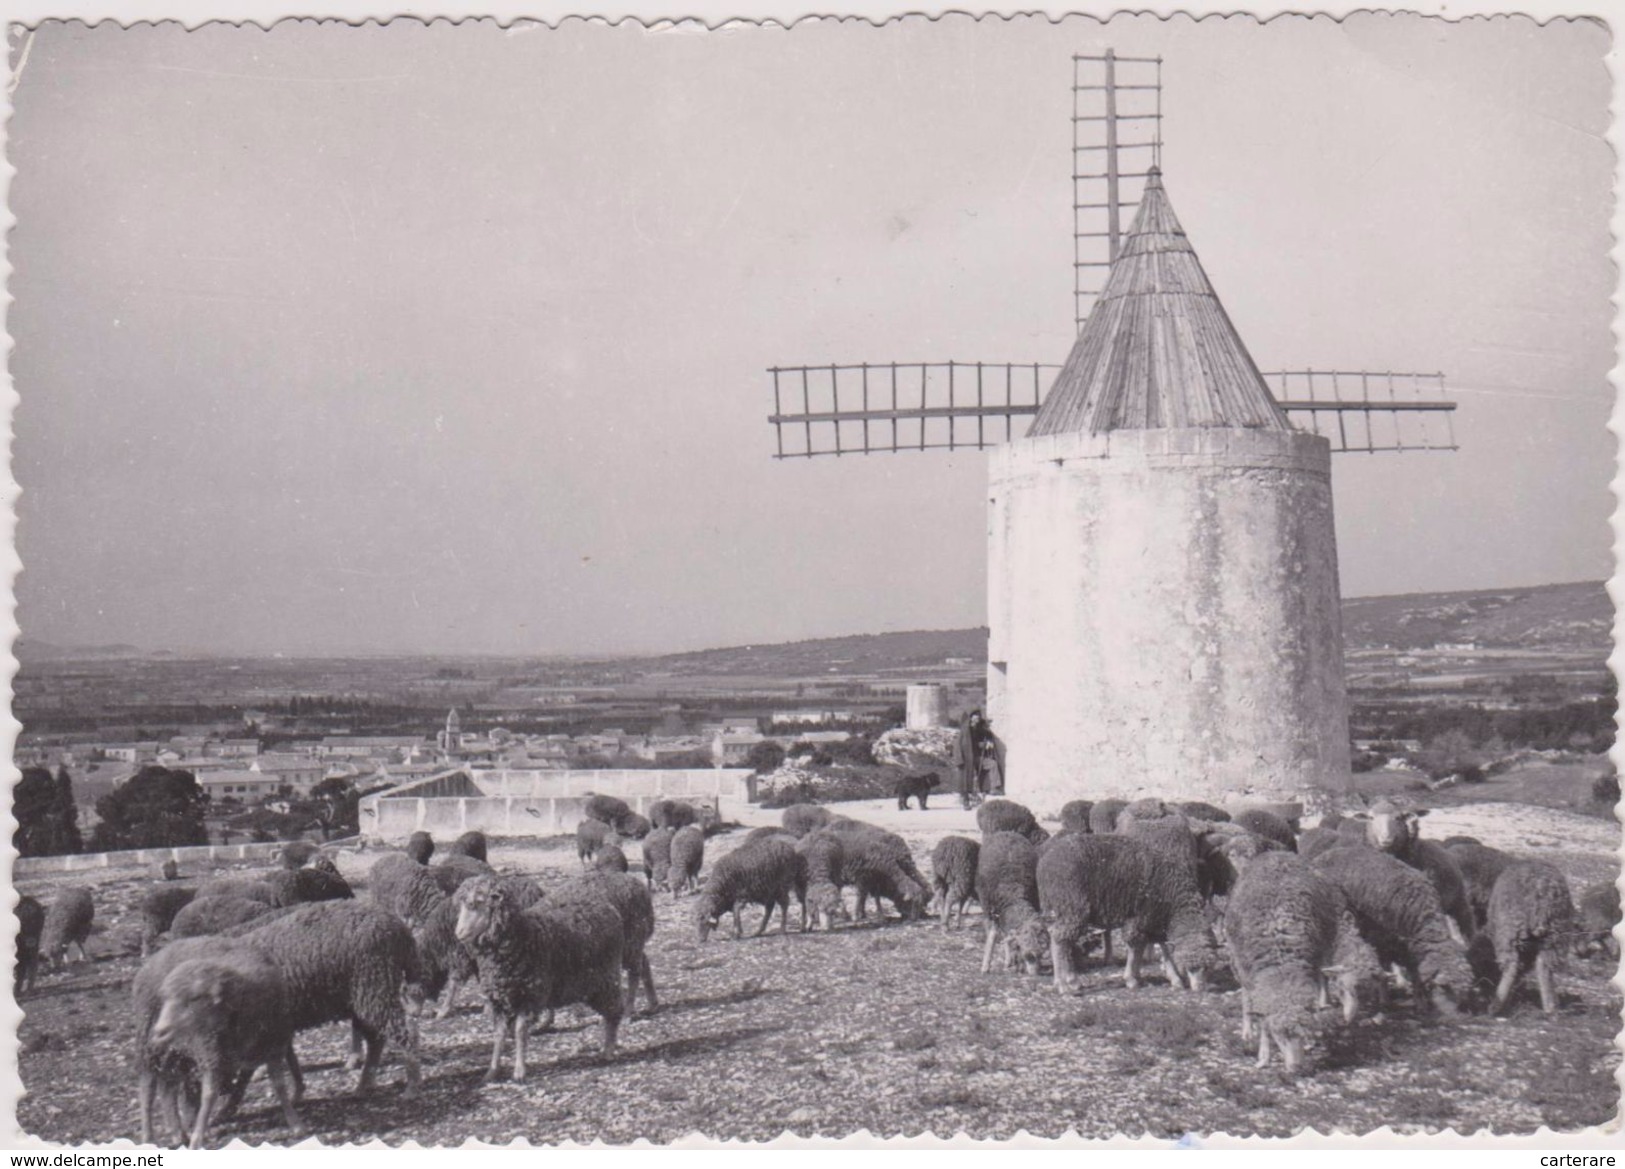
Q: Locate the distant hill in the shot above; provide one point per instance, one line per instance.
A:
(29, 649)
(1564, 616)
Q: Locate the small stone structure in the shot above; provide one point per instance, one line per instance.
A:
(534, 803)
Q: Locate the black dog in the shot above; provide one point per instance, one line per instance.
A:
(916, 785)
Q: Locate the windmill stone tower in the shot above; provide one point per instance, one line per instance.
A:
(1162, 565)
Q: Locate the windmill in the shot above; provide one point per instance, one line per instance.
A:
(1162, 580)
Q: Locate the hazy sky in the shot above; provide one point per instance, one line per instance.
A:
(453, 338)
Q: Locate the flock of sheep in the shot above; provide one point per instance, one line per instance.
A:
(1335, 912)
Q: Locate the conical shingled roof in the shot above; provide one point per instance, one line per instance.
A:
(1158, 350)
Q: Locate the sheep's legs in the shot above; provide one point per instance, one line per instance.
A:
(1264, 1045)
(277, 1071)
(521, 1037)
(1543, 980)
(1131, 968)
(1503, 991)
(768, 916)
(1246, 1015)
(1106, 952)
(649, 986)
(146, 1088)
(784, 914)
(499, 1034)
(609, 1008)
(1169, 970)
(205, 1108)
(1060, 955)
(450, 999)
(987, 951)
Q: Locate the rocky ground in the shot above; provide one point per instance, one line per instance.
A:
(885, 1027)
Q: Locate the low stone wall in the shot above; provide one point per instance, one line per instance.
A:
(140, 857)
(538, 803)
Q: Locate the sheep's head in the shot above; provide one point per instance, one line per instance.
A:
(708, 912)
(192, 1000)
(1290, 1030)
(827, 905)
(324, 864)
(1027, 947)
(482, 905)
(1392, 829)
(1194, 953)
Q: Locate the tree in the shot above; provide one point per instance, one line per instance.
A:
(338, 807)
(766, 756)
(155, 808)
(47, 817)
(66, 815)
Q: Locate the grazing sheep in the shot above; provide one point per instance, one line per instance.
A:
(610, 859)
(227, 1014)
(30, 928)
(915, 787)
(347, 960)
(444, 963)
(765, 873)
(212, 915)
(1001, 815)
(673, 814)
(1263, 822)
(403, 887)
(325, 864)
(1599, 914)
(633, 827)
(607, 810)
(1103, 816)
(710, 820)
(800, 819)
(1224, 856)
(296, 854)
(1399, 914)
(1075, 816)
(454, 868)
(1531, 912)
(159, 905)
(591, 835)
(954, 862)
(170, 870)
(687, 855)
(629, 897)
(1286, 927)
(1197, 810)
(472, 844)
(1007, 887)
(301, 886)
(1397, 832)
(67, 923)
(420, 847)
(252, 888)
(538, 960)
(1480, 867)
(879, 865)
(657, 857)
(1113, 881)
(824, 855)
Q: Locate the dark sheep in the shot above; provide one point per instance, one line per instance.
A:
(226, 1014)
(1224, 856)
(159, 905)
(1599, 914)
(30, 928)
(1075, 816)
(472, 844)
(657, 857)
(765, 873)
(1198, 810)
(1113, 881)
(824, 855)
(1480, 867)
(999, 815)
(800, 819)
(453, 869)
(296, 854)
(403, 887)
(917, 787)
(252, 888)
(347, 960)
(212, 915)
(1399, 915)
(420, 847)
(1285, 927)
(1007, 887)
(170, 870)
(1315, 841)
(302, 886)
(444, 963)
(1531, 912)
(629, 897)
(67, 923)
(673, 814)
(879, 864)
(687, 855)
(1397, 831)
(610, 859)
(1263, 822)
(954, 862)
(539, 960)
(591, 835)
(633, 827)
(1103, 816)
(607, 810)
